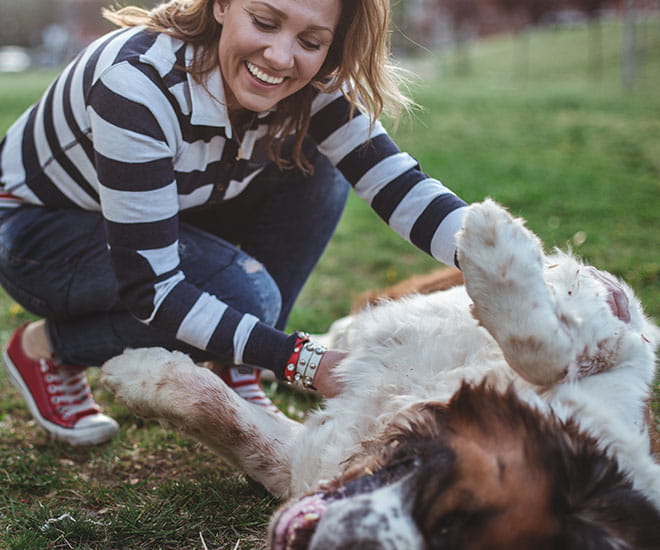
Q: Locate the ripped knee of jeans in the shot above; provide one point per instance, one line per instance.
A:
(266, 294)
(250, 265)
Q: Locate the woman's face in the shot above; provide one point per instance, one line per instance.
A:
(270, 49)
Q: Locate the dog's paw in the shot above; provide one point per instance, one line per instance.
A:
(138, 378)
(503, 264)
(495, 244)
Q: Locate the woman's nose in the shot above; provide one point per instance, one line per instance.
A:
(280, 52)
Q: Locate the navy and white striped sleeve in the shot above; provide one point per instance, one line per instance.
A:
(135, 134)
(419, 208)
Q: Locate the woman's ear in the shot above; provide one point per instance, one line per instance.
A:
(219, 9)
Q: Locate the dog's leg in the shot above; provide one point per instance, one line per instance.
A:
(502, 263)
(168, 386)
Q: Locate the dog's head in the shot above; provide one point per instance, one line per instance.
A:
(483, 471)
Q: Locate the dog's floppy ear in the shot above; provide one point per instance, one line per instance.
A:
(627, 522)
(600, 508)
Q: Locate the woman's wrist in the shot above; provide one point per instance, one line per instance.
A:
(302, 366)
(310, 365)
(325, 381)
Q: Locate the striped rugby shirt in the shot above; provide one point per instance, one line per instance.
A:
(125, 131)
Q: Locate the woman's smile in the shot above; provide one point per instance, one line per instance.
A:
(262, 76)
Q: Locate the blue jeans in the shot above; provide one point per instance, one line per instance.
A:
(254, 252)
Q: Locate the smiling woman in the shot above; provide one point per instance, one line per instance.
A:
(267, 54)
(178, 182)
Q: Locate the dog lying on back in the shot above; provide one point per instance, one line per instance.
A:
(505, 414)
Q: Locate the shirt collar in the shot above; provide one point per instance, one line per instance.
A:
(208, 101)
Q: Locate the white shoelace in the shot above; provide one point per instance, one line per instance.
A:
(69, 390)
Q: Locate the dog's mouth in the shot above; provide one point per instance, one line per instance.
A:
(295, 525)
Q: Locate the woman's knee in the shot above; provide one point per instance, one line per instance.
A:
(259, 294)
(229, 273)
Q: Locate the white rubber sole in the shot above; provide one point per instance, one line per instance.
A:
(92, 435)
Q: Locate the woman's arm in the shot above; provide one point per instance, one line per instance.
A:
(417, 207)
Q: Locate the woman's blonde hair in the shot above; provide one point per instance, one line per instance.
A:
(359, 56)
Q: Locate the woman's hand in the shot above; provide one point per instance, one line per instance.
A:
(324, 379)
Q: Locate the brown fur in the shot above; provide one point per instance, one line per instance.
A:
(438, 279)
(493, 473)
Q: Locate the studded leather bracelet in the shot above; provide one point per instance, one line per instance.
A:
(303, 361)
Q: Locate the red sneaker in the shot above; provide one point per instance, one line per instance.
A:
(245, 382)
(58, 397)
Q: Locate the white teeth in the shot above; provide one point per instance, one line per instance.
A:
(256, 72)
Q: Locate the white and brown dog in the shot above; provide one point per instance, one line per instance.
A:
(508, 413)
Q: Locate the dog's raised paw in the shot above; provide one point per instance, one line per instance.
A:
(495, 244)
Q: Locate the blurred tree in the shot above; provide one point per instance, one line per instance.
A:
(463, 16)
(514, 10)
(538, 10)
(27, 22)
(592, 10)
(24, 21)
(418, 26)
(629, 61)
(527, 13)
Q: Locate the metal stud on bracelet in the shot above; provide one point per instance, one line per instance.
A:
(308, 361)
(303, 362)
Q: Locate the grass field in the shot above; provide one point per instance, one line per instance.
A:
(578, 158)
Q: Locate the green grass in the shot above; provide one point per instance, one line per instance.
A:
(578, 158)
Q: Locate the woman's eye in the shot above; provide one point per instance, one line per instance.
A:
(263, 25)
(309, 45)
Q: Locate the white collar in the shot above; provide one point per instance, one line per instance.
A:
(208, 101)
(209, 107)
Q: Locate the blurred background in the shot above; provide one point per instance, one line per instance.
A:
(40, 33)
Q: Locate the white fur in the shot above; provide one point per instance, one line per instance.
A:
(543, 324)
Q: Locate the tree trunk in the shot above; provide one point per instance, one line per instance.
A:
(596, 48)
(463, 65)
(521, 49)
(629, 46)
